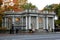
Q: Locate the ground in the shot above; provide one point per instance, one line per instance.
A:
(41, 36)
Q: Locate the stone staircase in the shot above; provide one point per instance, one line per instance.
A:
(41, 30)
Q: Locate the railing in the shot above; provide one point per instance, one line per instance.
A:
(46, 12)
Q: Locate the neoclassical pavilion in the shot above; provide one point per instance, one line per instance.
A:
(29, 20)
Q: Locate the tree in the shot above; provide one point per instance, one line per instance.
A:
(51, 7)
(57, 11)
(1, 16)
(1, 3)
(28, 6)
(1, 13)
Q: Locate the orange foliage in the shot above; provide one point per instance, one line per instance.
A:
(0, 2)
(17, 9)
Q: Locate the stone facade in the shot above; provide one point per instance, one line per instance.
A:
(28, 20)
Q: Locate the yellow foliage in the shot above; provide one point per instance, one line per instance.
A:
(3, 28)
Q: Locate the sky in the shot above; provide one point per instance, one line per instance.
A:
(42, 3)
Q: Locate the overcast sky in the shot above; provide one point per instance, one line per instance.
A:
(42, 3)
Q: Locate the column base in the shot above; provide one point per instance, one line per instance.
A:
(46, 30)
(53, 30)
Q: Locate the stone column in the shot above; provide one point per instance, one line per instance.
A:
(47, 22)
(13, 20)
(2, 22)
(26, 22)
(53, 24)
(5, 21)
(22, 22)
(37, 23)
(44, 23)
(29, 22)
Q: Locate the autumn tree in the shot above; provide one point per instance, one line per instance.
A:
(1, 3)
(0, 13)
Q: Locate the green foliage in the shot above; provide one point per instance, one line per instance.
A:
(57, 10)
(28, 6)
(57, 21)
(51, 7)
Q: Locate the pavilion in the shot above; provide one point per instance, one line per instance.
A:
(29, 20)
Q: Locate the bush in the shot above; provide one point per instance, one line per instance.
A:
(3, 29)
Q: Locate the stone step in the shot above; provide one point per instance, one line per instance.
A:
(40, 30)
